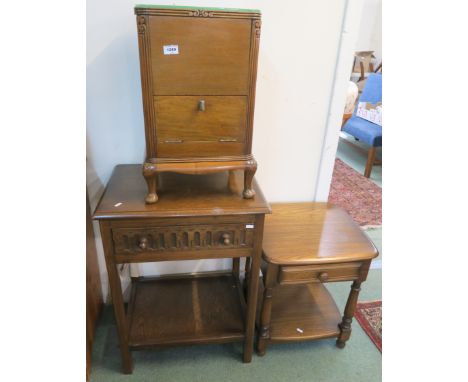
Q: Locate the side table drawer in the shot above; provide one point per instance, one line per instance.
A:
(299, 274)
(182, 238)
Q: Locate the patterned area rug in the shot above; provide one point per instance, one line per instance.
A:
(358, 195)
(369, 316)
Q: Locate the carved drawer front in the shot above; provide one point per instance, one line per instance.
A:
(182, 238)
(319, 273)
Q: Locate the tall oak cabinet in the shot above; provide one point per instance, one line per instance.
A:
(198, 74)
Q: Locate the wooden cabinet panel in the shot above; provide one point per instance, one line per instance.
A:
(200, 149)
(180, 118)
(213, 55)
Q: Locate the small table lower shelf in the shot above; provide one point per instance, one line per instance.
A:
(189, 309)
(302, 312)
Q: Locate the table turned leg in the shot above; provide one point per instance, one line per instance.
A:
(249, 173)
(117, 300)
(265, 315)
(252, 290)
(150, 174)
(236, 266)
(246, 276)
(345, 325)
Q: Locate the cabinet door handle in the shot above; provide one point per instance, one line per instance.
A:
(201, 105)
(227, 140)
(173, 141)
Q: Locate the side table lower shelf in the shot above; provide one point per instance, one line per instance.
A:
(188, 309)
(303, 312)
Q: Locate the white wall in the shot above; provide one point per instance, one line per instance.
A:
(370, 31)
(299, 45)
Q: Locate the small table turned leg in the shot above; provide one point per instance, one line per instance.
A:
(265, 315)
(345, 326)
(265, 321)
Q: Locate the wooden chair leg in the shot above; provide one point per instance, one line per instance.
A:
(370, 161)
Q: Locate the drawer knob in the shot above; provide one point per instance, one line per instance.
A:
(143, 244)
(226, 239)
(201, 105)
(323, 276)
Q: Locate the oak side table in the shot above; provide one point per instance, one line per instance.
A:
(199, 217)
(304, 246)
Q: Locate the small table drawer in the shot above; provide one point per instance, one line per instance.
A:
(182, 238)
(319, 273)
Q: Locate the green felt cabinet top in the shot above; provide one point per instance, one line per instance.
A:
(154, 6)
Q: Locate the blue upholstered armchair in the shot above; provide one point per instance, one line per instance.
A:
(365, 131)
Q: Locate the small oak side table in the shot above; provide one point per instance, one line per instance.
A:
(199, 217)
(304, 246)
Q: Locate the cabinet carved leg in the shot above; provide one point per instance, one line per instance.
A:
(345, 325)
(249, 173)
(149, 172)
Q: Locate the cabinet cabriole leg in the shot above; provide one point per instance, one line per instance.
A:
(249, 173)
(149, 172)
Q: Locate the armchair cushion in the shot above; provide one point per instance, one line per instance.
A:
(363, 130)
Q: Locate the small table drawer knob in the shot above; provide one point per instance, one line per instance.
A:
(323, 276)
(143, 244)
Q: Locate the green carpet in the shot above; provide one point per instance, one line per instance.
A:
(318, 361)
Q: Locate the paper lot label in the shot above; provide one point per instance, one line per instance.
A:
(171, 49)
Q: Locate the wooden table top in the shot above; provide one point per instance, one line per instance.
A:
(313, 233)
(179, 195)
